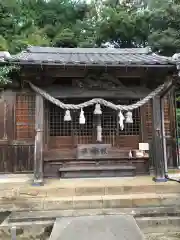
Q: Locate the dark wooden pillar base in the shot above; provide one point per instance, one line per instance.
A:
(37, 183)
(158, 179)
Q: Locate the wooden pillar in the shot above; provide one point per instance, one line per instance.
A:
(38, 148)
(164, 137)
(157, 149)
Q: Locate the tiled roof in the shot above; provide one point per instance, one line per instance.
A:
(90, 56)
(35, 49)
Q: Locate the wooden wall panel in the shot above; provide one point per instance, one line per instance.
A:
(2, 119)
(167, 116)
(16, 158)
(148, 118)
(61, 142)
(131, 142)
(67, 142)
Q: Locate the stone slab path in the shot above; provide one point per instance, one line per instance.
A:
(122, 227)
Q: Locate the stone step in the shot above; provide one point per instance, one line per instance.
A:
(97, 189)
(89, 202)
(112, 201)
(139, 213)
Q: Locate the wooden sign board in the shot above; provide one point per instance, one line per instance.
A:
(92, 151)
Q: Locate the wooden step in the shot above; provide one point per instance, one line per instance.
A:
(97, 168)
(97, 171)
(53, 168)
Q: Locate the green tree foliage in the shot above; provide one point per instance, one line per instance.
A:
(3, 44)
(140, 23)
(73, 23)
(65, 38)
(39, 22)
(123, 26)
(165, 31)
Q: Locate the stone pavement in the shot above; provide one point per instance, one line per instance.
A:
(122, 227)
(17, 194)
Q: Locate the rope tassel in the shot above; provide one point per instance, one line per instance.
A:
(67, 116)
(82, 119)
(121, 120)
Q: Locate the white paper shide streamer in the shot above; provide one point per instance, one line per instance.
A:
(129, 118)
(121, 120)
(67, 116)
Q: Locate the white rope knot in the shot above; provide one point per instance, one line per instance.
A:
(97, 110)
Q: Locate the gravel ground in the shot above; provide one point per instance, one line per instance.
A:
(161, 236)
(149, 236)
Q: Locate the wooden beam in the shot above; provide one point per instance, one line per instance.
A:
(167, 89)
(38, 148)
(75, 72)
(157, 140)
